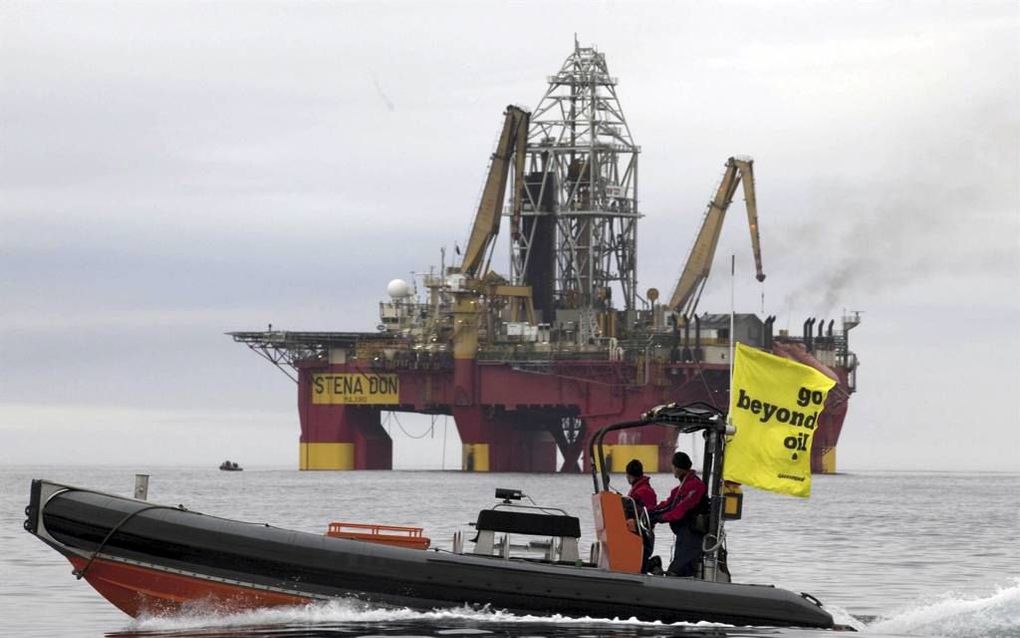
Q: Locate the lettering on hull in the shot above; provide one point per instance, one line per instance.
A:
(346, 388)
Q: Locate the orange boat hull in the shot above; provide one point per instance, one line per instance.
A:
(139, 590)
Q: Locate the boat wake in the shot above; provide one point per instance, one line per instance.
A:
(954, 616)
(361, 620)
(951, 616)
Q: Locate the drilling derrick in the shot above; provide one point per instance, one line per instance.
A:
(575, 242)
(531, 365)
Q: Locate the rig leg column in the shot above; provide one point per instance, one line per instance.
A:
(533, 451)
(326, 442)
(823, 450)
(373, 447)
(492, 443)
(477, 438)
(591, 426)
(571, 452)
(642, 444)
(341, 437)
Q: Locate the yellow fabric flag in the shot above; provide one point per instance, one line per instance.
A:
(774, 406)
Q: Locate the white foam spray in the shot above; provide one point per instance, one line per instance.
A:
(342, 610)
(954, 616)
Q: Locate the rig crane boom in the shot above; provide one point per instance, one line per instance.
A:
(699, 262)
(511, 146)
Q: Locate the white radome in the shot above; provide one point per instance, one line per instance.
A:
(398, 289)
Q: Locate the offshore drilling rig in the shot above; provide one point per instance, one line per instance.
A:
(537, 361)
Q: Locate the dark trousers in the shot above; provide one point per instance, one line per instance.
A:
(647, 546)
(686, 552)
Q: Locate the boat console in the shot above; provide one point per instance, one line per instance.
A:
(508, 517)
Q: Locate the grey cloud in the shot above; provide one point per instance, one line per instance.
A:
(209, 167)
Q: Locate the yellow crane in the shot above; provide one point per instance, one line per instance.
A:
(699, 262)
(478, 280)
(511, 146)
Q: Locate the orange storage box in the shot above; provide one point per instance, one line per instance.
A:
(409, 537)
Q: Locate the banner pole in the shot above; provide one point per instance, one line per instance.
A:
(716, 442)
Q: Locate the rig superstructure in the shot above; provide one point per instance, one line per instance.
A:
(536, 362)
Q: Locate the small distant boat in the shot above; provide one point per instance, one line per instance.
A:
(231, 466)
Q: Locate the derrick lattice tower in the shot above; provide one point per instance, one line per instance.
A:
(576, 241)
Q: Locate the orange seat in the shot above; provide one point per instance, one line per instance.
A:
(409, 537)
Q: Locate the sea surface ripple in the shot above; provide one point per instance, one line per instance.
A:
(890, 553)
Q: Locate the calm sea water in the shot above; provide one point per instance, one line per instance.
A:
(893, 554)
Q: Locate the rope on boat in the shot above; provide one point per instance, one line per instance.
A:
(719, 541)
(80, 573)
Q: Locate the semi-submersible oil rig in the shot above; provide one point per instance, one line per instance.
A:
(539, 360)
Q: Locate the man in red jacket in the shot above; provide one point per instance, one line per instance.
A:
(640, 486)
(644, 499)
(685, 502)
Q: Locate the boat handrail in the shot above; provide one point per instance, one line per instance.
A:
(541, 508)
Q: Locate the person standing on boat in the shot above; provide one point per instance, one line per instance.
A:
(680, 510)
(644, 499)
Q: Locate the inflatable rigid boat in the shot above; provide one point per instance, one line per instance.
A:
(147, 558)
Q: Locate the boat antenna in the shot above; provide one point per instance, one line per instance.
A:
(733, 312)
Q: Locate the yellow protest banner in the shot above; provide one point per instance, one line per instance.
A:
(774, 406)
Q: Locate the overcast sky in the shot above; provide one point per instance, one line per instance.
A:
(173, 171)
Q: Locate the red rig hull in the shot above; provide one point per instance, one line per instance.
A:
(514, 417)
